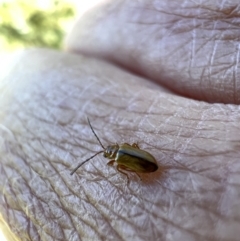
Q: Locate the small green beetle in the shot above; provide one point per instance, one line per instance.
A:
(128, 157)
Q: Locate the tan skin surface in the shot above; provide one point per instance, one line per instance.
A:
(44, 134)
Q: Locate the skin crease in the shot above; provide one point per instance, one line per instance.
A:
(44, 134)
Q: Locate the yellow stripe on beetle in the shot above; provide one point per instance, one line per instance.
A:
(128, 157)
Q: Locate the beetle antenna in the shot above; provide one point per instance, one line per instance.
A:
(75, 169)
(95, 134)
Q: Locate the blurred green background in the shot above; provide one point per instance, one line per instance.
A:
(38, 23)
(25, 23)
(31, 23)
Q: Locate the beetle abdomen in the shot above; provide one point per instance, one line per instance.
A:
(135, 160)
(135, 164)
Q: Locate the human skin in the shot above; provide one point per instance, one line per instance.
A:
(44, 134)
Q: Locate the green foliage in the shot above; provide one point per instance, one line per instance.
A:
(23, 23)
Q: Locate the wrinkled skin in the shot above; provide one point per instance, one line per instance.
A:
(175, 50)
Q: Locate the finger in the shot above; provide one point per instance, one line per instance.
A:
(190, 48)
(44, 133)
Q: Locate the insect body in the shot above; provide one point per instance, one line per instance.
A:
(127, 157)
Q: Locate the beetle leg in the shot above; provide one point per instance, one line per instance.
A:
(135, 145)
(124, 168)
(138, 176)
(118, 168)
(110, 163)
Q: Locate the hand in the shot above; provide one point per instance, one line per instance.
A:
(44, 132)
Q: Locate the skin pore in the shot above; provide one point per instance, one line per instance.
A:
(162, 74)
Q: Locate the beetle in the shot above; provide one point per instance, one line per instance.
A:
(128, 157)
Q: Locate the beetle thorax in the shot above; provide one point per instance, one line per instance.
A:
(111, 151)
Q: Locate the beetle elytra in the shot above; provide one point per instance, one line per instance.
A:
(128, 157)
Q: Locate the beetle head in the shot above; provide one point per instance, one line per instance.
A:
(111, 151)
